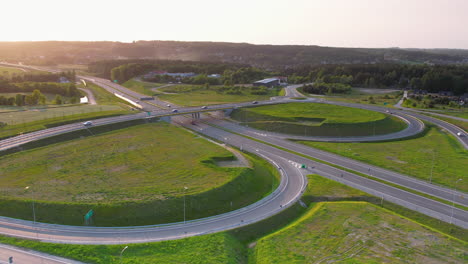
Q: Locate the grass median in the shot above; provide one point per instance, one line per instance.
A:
(436, 156)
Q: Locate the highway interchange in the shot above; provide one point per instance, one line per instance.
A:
(266, 145)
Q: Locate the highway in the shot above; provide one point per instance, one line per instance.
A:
(289, 191)
(292, 184)
(24, 256)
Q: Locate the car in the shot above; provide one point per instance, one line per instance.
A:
(175, 111)
(254, 102)
(460, 134)
(204, 107)
(88, 123)
(168, 105)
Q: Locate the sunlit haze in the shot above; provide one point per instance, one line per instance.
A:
(344, 23)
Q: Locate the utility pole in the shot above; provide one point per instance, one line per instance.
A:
(185, 189)
(453, 201)
(432, 166)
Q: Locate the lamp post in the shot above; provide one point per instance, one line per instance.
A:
(33, 209)
(432, 166)
(185, 189)
(453, 201)
(121, 252)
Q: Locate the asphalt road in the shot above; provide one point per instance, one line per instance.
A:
(290, 189)
(26, 256)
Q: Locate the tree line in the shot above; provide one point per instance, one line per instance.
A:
(126, 69)
(35, 98)
(64, 89)
(43, 77)
(425, 77)
(231, 74)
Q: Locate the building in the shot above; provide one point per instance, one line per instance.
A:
(270, 82)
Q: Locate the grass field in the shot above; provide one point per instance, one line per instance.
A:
(20, 115)
(217, 248)
(28, 119)
(192, 95)
(12, 71)
(314, 119)
(9, 72)
(413, 157)
(137, 174)
(360, 97)
(236, 245)
(141, 87)
(357, 232)
(459, 123)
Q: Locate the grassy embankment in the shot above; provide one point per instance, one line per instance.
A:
(356, 232)
(359, 97)
(142, 87)
(434, 151)
(241, 245)
(196, 95)
(28, 119)
(459, 123)
(133, 176)
(312, 119)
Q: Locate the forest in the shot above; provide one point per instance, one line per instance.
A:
(432, 79)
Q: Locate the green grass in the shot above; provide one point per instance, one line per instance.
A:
(141, 87)
(215, 248)
(27, 119)
(10, 72)
(359, 97)
(459, 123)
(134, 176)
(412, 157)
(103, 97)
(314, 119)
(233, 246)
(192, 95)
(356, 232)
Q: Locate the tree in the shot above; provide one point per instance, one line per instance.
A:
(19, 99)
(42, 99)
(58, 99)
(36, 95)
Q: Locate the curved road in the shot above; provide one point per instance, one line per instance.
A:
(290, 189)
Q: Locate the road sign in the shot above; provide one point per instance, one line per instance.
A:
(88, 217)
(385, 103)
(149, 113)
(116, 81)
(303, 166)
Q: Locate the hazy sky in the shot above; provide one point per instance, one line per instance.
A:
(350, 23)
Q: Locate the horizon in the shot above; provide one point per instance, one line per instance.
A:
(419, 24)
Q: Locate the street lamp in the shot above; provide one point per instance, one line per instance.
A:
(33, 209)
(453, 201)
(121, 252)
(185, 189)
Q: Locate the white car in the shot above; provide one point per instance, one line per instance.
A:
(460, 134)
(204, 107)
(175, 111)
(168, 105)
(88, 123)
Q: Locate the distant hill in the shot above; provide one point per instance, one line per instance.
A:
(264, 56)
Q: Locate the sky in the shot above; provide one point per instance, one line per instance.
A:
(337, 23)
